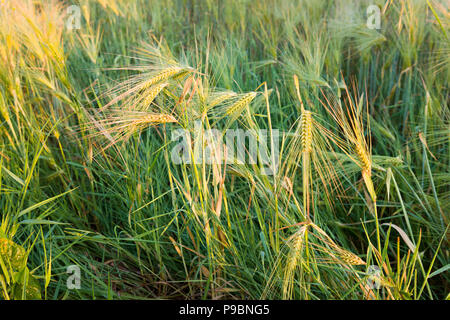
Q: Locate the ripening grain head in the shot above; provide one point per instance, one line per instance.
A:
(306, 131)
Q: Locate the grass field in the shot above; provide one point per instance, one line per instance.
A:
(353, 201)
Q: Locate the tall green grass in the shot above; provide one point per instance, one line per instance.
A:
(86, 176)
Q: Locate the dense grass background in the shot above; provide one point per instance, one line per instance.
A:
(140, 226)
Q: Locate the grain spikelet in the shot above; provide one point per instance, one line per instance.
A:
(296, 244)
(236, 108)
(163, 75)
(119, 124)
(350, 120)
(221, 97)
(306, 131)
(364, 158)
(306, 141)
(342, 254)
(151, 94)
(349, 257)
(157, 119)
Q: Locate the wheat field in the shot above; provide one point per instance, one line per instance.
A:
(346, 196)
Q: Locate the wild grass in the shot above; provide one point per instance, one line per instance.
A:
(86, 170)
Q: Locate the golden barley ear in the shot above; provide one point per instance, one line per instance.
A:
(119, 125)
(296, 245)
(221, 97)
(151, 94)
(306, 131)
(366, 164)
(163, 75)
(235, 110)
(349, 257)
(343, 255)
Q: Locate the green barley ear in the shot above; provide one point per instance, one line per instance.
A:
(154, 74)
(221, 97)
(364, 158)
(350, 120)
(306, 136)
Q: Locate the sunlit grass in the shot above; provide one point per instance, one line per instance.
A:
(86, 170)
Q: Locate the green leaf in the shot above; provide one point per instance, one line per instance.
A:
(440, 270)
(37, 205)
(39, 221)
